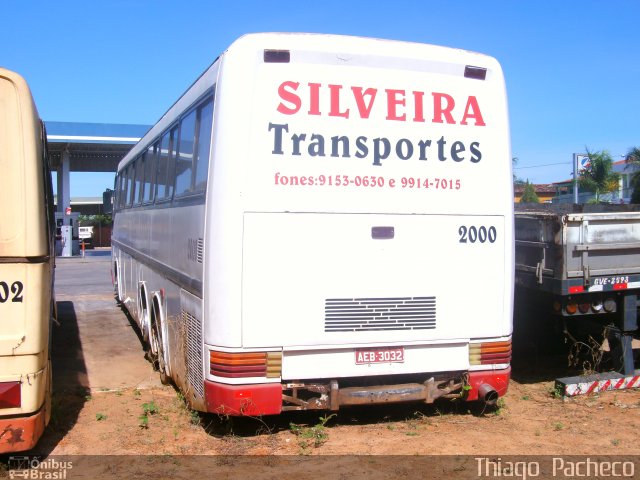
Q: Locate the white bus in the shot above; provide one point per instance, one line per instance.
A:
(26, 268)
(323, 221)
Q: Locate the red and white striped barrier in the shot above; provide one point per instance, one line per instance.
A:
(572, 386)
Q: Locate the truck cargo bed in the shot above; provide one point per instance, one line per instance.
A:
(565, 242)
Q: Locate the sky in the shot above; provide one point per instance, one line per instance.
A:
(572, 68)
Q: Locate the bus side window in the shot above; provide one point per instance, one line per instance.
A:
(184, 156)
(130, 190)
(123, 192)
(171, 166)
(116, 193)
(203, 145)
(164, 189)
(150, 174)
(123, 188)
(140, 170)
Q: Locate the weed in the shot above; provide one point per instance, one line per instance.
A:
(421, 417)
(412, 434)
(148, 408)
(500, 406)
(556, 391)
(100, 417)
(314, 436)
(118, 393)
(557, 426)
(137, 393)
(587, 355)
(144, 421)
(615, 442)
(194, 418)
(526, 397)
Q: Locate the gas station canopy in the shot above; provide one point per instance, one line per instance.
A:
(91, 147)
(83, 147)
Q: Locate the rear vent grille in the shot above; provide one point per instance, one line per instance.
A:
(373, 314)
(195, 247)
(194, 352)
(200, 249)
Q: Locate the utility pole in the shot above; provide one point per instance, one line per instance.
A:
(575, 178)
(578, 166)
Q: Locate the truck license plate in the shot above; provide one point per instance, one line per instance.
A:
(613, 281)
(365, 356)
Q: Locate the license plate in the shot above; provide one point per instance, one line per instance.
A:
(366, 356)
(613, 281)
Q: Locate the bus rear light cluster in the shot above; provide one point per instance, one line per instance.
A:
(490, 353)
(10, 395)
(245, 364)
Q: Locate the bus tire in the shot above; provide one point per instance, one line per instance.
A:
(116, 282)
(157, 348)
(143, 312)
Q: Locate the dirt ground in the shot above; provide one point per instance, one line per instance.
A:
(148, 419)
(529, 420)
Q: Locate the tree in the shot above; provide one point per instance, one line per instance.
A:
(529, 194)
(633, 159)
(95, 220)
(599, 176)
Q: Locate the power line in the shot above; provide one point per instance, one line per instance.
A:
(545, 165)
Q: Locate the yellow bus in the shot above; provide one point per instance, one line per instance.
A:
(26, 268)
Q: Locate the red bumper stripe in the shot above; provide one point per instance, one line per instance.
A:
(255, 399)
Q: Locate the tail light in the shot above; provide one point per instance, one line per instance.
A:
(490, 353)
(596, 306)
(245, 364)
(571, 308)
(10, 395)
(610, 305)
(584, 307)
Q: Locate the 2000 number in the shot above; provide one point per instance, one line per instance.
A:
(477, 234)
(12, 293)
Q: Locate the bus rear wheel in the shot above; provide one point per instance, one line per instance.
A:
(157, 349)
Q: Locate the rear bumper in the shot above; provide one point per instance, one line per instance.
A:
(236, 400)
(18, 434)
(273, 398)
(498, 380)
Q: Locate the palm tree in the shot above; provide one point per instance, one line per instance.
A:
(633, 159)
(599, 176)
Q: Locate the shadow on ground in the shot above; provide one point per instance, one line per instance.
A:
(70, 381)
